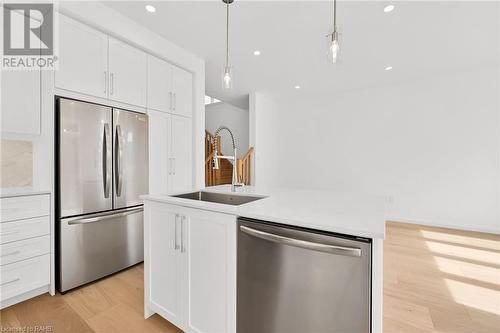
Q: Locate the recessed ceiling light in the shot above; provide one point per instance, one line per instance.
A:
(297, 87)
(256, 52)
(388, 68)
(150, 8)
(388, 9)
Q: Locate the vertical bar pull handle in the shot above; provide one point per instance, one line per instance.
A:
(106, 160)
(112, 84)
(118, 160)
(183, 245)
(105, 81)
(176, 244)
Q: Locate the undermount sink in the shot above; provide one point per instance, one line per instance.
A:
(222, 198)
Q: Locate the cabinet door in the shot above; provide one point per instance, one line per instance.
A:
(211, 271)
(20, 98)
(164, 262)
(20, 108)
(159, 85)
(127, 73)
(159, 151)
(181, 172)
(182, 82)
(83, 59)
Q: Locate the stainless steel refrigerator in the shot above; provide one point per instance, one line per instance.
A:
(101, 170)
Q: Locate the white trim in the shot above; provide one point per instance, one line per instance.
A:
(443, 225)
(24, 297)
(377, 285)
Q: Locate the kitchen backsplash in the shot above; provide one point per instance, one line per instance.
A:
(16, 163)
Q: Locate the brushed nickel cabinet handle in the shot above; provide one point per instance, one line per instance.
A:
(176, 244)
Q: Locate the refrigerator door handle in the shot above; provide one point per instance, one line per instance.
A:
(106, 160)
(105, 216)
(118, 161)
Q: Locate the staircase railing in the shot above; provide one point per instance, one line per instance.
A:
(245, 167)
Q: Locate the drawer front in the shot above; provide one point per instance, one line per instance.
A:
(24, 276)
(24, 207)
(23, 229)
(24, 249)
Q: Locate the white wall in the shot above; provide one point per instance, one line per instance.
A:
(236, 119)
(431, 147)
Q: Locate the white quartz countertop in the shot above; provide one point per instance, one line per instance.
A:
(8, 192)
(345, 213)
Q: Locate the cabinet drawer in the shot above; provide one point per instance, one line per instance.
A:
(24, 249)
(24, 276)
(24, 207)
(23, 229)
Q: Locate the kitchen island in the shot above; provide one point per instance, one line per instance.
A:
(191, 254)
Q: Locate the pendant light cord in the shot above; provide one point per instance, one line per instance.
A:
(334, 15)
(227, 33)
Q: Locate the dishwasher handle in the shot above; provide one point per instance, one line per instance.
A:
(332, 249)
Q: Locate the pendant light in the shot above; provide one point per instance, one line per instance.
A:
(333, 42)
(227, 76)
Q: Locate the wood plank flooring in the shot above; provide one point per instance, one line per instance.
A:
(435, 280)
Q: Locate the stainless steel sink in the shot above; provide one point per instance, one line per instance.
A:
(222, 198)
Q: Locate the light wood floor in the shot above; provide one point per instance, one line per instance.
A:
(435, 280)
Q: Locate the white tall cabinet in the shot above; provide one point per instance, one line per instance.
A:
(191, 280)
(170, 131)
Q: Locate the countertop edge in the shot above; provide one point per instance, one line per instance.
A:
(235, 210)
(21, 192)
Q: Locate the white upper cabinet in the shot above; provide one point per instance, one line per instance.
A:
(20, 111)
(20, 100)
(83, 59)
(127, 73)
(92, 63)
(159, 85)
(182, 82)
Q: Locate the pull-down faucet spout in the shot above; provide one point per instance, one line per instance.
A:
(234, 158)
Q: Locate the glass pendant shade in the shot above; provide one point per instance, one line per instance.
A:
(227, 77)
(333, 47)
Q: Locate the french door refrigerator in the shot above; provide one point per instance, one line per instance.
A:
(102, 169)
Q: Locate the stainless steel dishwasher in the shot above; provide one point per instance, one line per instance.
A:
(298, 280)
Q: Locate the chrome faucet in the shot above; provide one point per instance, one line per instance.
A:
(234, 158)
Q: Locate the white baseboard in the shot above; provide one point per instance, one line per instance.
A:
(444, 225)
(24, 297)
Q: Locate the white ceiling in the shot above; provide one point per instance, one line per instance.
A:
(418, 38)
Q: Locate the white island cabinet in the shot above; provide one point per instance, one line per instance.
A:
(190, 267)
(190, 257)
